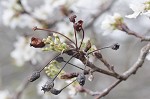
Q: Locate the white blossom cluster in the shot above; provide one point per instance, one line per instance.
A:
(14, 16)
(141, 7)
(18, 13)
(23, 52)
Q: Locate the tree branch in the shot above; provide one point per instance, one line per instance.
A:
(129, 72)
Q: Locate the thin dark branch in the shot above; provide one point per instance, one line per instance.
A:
(75, 35)
(50, 61)
(48, 30)
(82, 38)
(64, 65)
(75, 65)
(98, 49)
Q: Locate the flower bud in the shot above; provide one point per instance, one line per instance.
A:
(37, 43)
(34, 76)
(59, 59)
(78, 25)
(81, 79)
(55, 91)
(72, 18)
(115, 46)
(48, 86)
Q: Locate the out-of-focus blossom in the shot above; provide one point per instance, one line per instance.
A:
(23, 52)
(148, 56)
(140, 8)
(72, 89)
(4, 94)
(110, 23)
(13, 15)
(86, 6)
(49, 10)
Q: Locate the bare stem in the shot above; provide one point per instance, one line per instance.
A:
(48, 30)
(75, 34)
(138, 63)
(75, 65)
(64, 66)
(99, 49)
(68, 85)
(82, 38)
(50, 61)
(107, 90)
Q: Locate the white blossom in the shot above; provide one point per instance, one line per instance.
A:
(148, 56)
(49, 10)
(140, 8)
(4, 94)
(13, 17)
(23, 52)
(108, 25)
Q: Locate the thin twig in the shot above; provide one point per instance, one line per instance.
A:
(75, 35)
(74, 65)
(64, 65)
(125, 28)
(107, 90)
(50, 61)
(48, 30)
(129, 72)
(82, 38)
(99, 49)
(138, 63)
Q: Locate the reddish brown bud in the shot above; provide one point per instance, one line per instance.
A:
(69, 75)
(37, 43)
(78, 25)
(72, 18)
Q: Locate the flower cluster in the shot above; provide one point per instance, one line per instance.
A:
(54, 44)
(53, 69)
(15, 15)
(23, 52)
